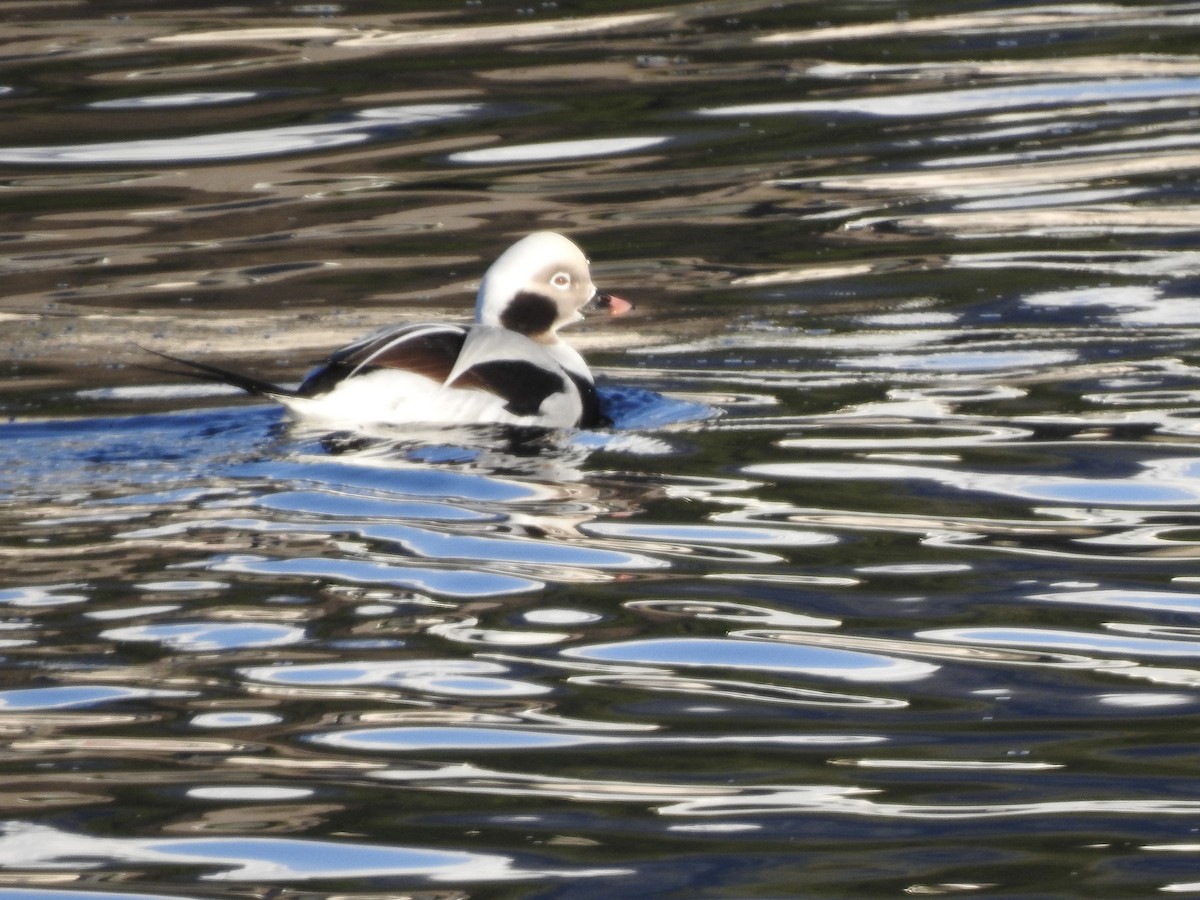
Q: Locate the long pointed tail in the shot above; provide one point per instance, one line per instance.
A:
(207, 372)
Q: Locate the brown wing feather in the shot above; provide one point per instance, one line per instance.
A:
(423, 349)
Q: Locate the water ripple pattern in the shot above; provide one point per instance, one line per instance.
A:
(884, 580)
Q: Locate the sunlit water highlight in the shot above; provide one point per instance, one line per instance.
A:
(883, 582)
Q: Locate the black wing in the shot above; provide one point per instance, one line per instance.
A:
(521, 384)
(428, 350)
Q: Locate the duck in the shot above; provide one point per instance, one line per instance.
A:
(510, 366)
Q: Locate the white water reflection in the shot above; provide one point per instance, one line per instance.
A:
(366, 125)
(949, 765)
(251, 859)
(558, 150)
(724, 689)
(169, 101)
(1165, 601)
(975, 360)
(1146, 701)
(342, 503)
(265, 33)
(131, 612)
(1159, 483)
(1140, 305)
(357, 38)
(690, 799)
(731, 611)
(947, 103)
(181, 586)
(393, 478)
(712, 534)
(1003, 21)
(1111, 65)
(1035, 198)
(1075, 151)
(1063, 639)
(158, 392)
(249, 793)
(429, 544)
(846, 801)
(486, 34)
(561, 617)
(234, 719)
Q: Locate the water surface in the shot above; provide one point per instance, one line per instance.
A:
(884, 583)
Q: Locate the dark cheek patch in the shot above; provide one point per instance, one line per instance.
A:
(529, 313)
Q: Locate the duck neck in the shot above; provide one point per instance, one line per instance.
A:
(569, 358)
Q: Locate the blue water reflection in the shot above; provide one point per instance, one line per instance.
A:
(449, 677)
(76, 696)
(43, 595)
(404, 740)
(448, 582)
(257, 859)
(71, 894)
(756, 655)
(349, 505)
(401, 740)
(196, 637)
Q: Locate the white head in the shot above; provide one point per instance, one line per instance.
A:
(538, 285)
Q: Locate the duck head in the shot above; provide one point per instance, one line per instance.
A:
(539, 285)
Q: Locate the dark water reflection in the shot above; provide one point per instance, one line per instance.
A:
(915, 614)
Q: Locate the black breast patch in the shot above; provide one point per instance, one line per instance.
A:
(522, 385)
(592, 416)
(529, 313)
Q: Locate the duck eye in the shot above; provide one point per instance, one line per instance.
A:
(561, 280)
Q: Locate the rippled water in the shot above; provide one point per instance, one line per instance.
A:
(885, 582)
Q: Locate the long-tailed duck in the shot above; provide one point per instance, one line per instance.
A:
(509, 367)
